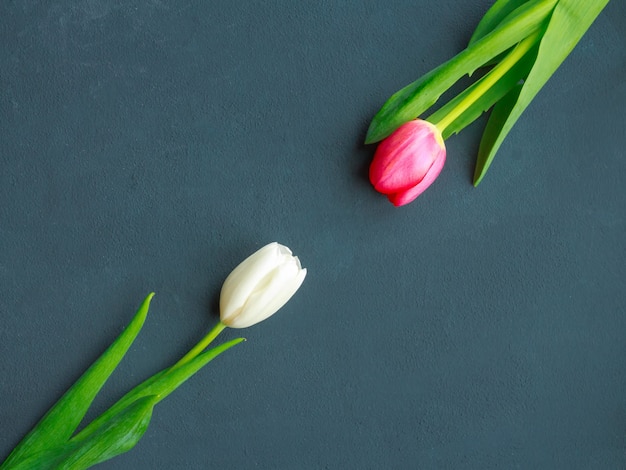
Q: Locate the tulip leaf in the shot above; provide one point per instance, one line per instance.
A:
(119, 435)
(116, 436)
(500, 10)
(159, 385)
(493, 130)
(63, 418)
(493, 94)
(416, 98)
(568, 23)
(119, 428)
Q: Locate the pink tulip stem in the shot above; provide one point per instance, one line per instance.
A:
(489, 80)
(202, 345)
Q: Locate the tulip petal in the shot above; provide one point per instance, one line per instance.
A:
(409, 195)
(259, 286)
(402, 160)
(244, 278)
(263, 303)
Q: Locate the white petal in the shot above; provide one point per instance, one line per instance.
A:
(260, 285)
(244, 278)
(264, 303)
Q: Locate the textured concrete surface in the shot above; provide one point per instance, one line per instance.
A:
(153, 145)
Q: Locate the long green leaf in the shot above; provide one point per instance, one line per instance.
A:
(496, 92)
(119, 434)
(119, 428)
(494, 16)
(498, 118)
(568, 23)
(501, 11)
(160, 386)
(60, 422)
(414, 99)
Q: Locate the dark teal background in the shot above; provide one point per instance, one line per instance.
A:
(154, 145)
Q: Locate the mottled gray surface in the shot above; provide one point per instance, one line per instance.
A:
(153, 145)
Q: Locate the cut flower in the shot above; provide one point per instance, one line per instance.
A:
(518, 44)
(259, 286)
(408, 161)
(255, 289)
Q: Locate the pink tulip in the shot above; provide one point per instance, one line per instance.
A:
(408, 161)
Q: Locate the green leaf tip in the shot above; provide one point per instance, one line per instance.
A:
(416, 98)
(568, 23)
(61, 421)
(498, 13)
(159, 385)
(118, 435)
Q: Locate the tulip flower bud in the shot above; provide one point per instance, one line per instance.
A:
(259, 286)
(408, 161)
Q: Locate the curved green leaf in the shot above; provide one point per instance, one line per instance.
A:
(60, 422)
(116, 436)
(496, 92)
(119, 428)
(159, 385)
(494, 16)
(501, 11)
(493, 130)
(416, 98)
(568, 23)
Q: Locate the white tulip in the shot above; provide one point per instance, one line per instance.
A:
(259, 286)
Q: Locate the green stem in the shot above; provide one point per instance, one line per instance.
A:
(159, 385)
(201, 346)
(489, 80)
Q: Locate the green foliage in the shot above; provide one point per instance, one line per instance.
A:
(494, 94)
(159, 385)
(498, 12)
(118, 435)
(568, 23)
(60, 422)
(560, 25)
(53, 444)
(419, 96)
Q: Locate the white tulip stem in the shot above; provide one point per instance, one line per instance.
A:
(202, 345)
